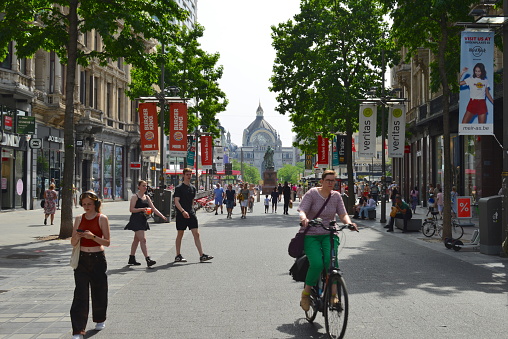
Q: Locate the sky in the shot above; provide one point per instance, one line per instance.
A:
(240, 32)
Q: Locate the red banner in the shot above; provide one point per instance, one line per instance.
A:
(178, 129)
(148, 128)
(322, 150)
(206, 152)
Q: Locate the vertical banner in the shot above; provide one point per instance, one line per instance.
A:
(396, 132)
(367, 131)
(476, 103)
(308, 161)
(335, 152)
(206, 152)
(177, 129)
(191, 151)
(322, 150)
(341, 149)
(148, 128)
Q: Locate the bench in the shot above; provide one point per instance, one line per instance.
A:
(414, 225)
(372, 214)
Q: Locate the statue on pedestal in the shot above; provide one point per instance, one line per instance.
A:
(269, 158)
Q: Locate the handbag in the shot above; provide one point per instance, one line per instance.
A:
(75, 256)
(299, 269)
(43, 201)
(295, 248)
(393, 213)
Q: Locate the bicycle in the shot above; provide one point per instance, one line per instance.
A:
(433, 225)
(335, 314)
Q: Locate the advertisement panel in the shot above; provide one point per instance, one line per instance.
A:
(341, 149)
(322, 150)
(396, 131)
(148, 128)
(476, 103)
(367, 131)
(206, 152)
(177, 129)
(191, 151)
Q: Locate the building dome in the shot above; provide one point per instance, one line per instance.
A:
(260, 132)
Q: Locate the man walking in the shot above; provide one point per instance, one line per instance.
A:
(186, 217)
(219, 198)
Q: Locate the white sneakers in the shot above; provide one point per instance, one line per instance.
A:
(100, 326)
(77, 336)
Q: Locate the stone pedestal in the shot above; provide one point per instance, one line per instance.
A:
(269, 180)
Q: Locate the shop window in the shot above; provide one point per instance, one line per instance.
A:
(97, 169)
(108, 171)
(119, 172)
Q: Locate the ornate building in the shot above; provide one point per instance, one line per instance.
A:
(256, 139)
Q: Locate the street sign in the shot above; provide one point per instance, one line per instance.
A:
(35, 143)
(218, 155)
(135, 165)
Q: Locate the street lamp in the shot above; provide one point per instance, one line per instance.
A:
(384, 100)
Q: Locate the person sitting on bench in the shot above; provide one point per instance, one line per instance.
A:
(371, 205)
(400, 210)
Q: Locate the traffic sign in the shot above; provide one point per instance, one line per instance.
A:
(464, 207)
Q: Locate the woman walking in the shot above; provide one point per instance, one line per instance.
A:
(140, 206)
(245, 201)
(230, 200)
(50, 199)
(414, 199)
(91, 232)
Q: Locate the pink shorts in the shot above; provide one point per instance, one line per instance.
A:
(477, 106)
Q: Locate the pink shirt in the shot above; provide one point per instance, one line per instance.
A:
(312, 202)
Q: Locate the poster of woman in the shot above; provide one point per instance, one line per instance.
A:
(476, 103)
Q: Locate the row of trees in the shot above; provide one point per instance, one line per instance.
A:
(329, 56)
(126, 27)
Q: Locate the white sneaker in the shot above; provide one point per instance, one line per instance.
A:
(77, 336)
(100, 326)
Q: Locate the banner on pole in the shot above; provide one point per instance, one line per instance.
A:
(396, 131)
(476, 103)
(335, 153)
(341, 149)
(149, 128)
(322, 150)
(206, 152)
(191, 151)
(177, 129)
(367, 131)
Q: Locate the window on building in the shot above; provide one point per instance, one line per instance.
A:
(52, 60)
(91, 97)
(95, 92)
(7, 62)
(82, 87)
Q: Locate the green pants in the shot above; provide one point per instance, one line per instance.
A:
(317, 249)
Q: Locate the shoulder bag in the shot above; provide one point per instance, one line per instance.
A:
(75, 256)
(295, 248)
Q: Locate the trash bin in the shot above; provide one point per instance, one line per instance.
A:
(491, 225)
(163, 201)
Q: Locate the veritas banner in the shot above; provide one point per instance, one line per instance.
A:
(148, 128)
(177, 129)
(396, 131)
(322, 150)
(206, 152)
(476, 104)
(367, 131)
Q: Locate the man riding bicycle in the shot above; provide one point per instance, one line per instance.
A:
(317, 241)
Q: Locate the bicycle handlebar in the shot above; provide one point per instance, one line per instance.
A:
(333, 226)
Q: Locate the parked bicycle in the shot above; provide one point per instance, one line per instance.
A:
(433, 225)
(331, 283)
(206, 202)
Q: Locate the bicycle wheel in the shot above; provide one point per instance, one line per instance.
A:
(336, 314)
(209, 208)
(310, 315)
(457, 231)
(428, 228)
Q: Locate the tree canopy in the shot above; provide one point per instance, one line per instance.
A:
(125, 26)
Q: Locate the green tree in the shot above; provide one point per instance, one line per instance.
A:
(125, 26)
(290, 173)
(431, 24)
(194, 72)
(327, 58)
(250, 173)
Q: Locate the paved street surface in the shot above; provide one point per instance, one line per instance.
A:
(400, 285)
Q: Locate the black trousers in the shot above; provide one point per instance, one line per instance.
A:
(406, 217)
(90, 275)
(286, 205)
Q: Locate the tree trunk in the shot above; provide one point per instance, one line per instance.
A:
(68, 174)
(447, 229)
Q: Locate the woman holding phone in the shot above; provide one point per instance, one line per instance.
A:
(140, 206)
(91, 231)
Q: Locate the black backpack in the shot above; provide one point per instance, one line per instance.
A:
(299, 269)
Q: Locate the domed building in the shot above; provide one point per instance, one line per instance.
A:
(256, 139)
